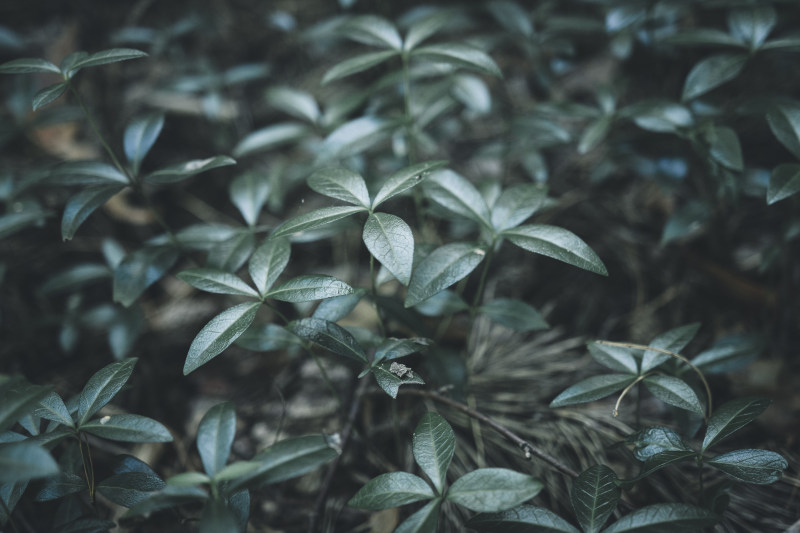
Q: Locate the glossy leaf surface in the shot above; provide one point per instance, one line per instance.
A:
(490, 490)
(219, 333)
(557, 243)
(441, 268)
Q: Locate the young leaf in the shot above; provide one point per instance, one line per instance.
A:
(231, 254)
(441, 268)
(391, 490)
(390, 240)
(268, 262)
(557, 243)
(127, 428)
(372, 30)
(460, 55)
(21, 461)
(219, 333)
(514, 314)
(424, 520)
(390, 376)
(724, 148)
(249, 193)
(182, 171)
(215, 436)
(434, 444)
(522, 519)
(338, 307)
(592, 388)
(342, 184)
(656, 440)
(129, 488)
(357, 64)
(27, 65)
(216, 281)
(140, 269)
(784, 182)
(711, 73)
(516, 204)
(308, 288)
(106, 56)
(404, 179)
(48, 94)
(458, 196)
(83, 204)
(270, 137)
(784, 121)
(731, 417)
(675, 392)
(594, 497)
(140, 135)
(425, 27)
(19, 397)
(761, 467)
(489, 490)
(672, 517)
(52, 408)
(330, 336)
(673, 340)
(392, 348)
(295, 102)
(314, 219)
(616, 358)
(102, 387)
(752, 25)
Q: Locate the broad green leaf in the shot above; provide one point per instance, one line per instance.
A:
(434, 444)
(219, 333)
(266, 337)
(295, 102)
(48, 94)
(405, 179)
(675, 392)
(102, 387)
(784, 121)
(729, 353)
(391, 490)
(186, 170)
(783, 182)
(14, 222)
(594, 134)
(342, 184)
(75, 277)
(357, 64)
(372, 30)
(557, 243)
(50, 438)
(127, 428)
(488, 490)
(315, 219)
(522, 519)
(215, 437)
(424, 520)
(472, 91)
(687, 220)
(107, 56)
(268, 262)
(234, 470)
(512, 17)
(19, 398)
(660, 116)
(231, 254)
(308, 288)
(424, 27)
(216, 281)
(592, 388)
(27, 65)
(616, 358)
(731, 417)
(63, 484)
(140, 269)
(188, 479)
(391, 376)
(270, 137)
(21, 461)
(392, 348)
(442, 303)
(355, 137)
(169, 496)
(129, 488)
(761, 467)
(516, 204)
(752, 25)
(52, 408)
(594, 497)
(140, 135)
(338, 307)
(441, 268)
(460, 55)
(724, 148)
(662, 517)
(659, 461)
(514, 314)
(656, 440)
(83, 204)
(673, 340)
(457, 195)
(330, 336)
(712, 72)
(87, 173)
(249, 193)
(390, 240)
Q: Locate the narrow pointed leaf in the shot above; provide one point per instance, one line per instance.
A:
(593, 388)
(784, 121)
(128, 428)
(392, 348)
(10, 494)
(594, 497)
(83, 204)
(295, 102)
(215, 437)
(48, 94)
(102, 387)
(456, 194)
(355, 137)
(52, 408)
(21, 461)
(140, 135)
(712, 72)
(14, 222)
(673, 340)
(342, 184)
(704, 36)
(675, 392)
(216, 281)
(405, 179)
(186, 170)
(129, 488)
(19, 398)
(219, 333)
(434, 444)
(557, 243)
(140, 269)
(761, 467)
(784, 182)
(391, 490)
(27, 65)
(372, 30)
(357, 64)
(729, 353)
(390, 240)
(88, 173)
(62, 485)
(522, 519)
(390, 376)
(315, 219)
(514, 314)
(424, 520)
(724, 147)
(270, 137)
(338, 307)
(731, 417)
(460, 55)
(169, 496)
(752, 25)
(231, 254)
(107, 56)
(249, 193)
(425, 27)
(330, 336)
(308, 288)
(662, 517)
(488, 490)
(268, 262)
(516, 204)
(442, 268)
(594, 134)
(188, 479)
(616, 358)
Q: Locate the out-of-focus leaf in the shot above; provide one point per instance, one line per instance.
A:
(267, 337)
(712, 72)
(106, 56)
(664, 517)
(472, 91)
(442, 268)
(558, 243)
(522, 519)
(372, 30)
(460, 55)
(129, 488)
(336, 308)
(784, 121)
(140, 135)
(75, 277)
(424, 27)
(186, 170)
(594, 134)
(660, 116)
(357, 64)
(752, 25)
(295, 102)
(729, 353)
(83, 204)
(270, 137)
(687, 220)
(249, 192)
(27, 65)
(725, 149)
(231, 254)
(355, 137)
(219, 333)
(21, 461)
(87, 173)
(62, 485)
(169, 496)
(140, 269)
(514, 314)
(784, 182)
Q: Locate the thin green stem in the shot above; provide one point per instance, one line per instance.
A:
(482, 282)
(86, 461)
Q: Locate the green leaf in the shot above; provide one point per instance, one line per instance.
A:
(231, 254)
(372, 30)
(659, 461)
(687, 220)
(107, 56)
(424, 520)
(219, 333)
(675, 392)
(405, 179)
(315, 219)
(330, 336)
(10, 494)
(516, 204)
(673, 340)
(52, 408)
(391, 490)
(703, 36)
(295, 102)
(14, 222)
(48, 94)
(338, 307)
(215, 436)
(392, 348)
(356, 136)
(140, 135)
(62, 485)
(390, 376)
(129, 488)
(441, 268)
(127, 428)
(724, 148)
(342, 184)
(424, 27)
(783, 182)
(514, 314)
(660, 116)
(357, 64)
(784, 121)
(182, 171)
(308, 288)
(752, 25)
(592, 388)
(169, 496)
(614, 357)
(459, 55)
(557, 243)
(28, 65)
(513, 18)
(270, 137)
(434, 444)
(216, 281)
(88, 173)
(442, 303)
(83, 204)
(472, 91)
(217, 517)
(140, 269)
(21, 461)
(662, 517)
(594, 134)
(522, 519)
(712, 72)
(729, 353)
(731, 417)
(390, 240)
(75, 277)
(102, 387)
(268, 262)
(188, 479)
(458, 196)
(489, 490)
(761, 467)
(249, 193)
(656, 440)
(19, 398)
(266, 337)
(594, 497)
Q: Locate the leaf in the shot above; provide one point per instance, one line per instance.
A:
(315, 219)
(83, 204)
(784, 121)
(295, 102)
(129, 488)
(267, 337)
(457, 195)
(182, 171)
(338, 307)
(712, 72)
(217, 281)
(522, 519)
(703, 36)
(357, 64)
(594, 134)
(592, 388)
(656, 440)
(459, 55)
(729, 353)
(424, 27)
(390, 240)
(219, 333)
(14, 222)
(268, 262)
(761, 467)
(107, 56)
(731, 417)
(391, 490)
(270, 137)
(342, 184)
(19, 398)
(424, 520)
(659, 461)
(102, 387)
(516, 204)
(442, 268)
(557, 243)
(442, 303)
(514, 314)
(488, 490)
(672, 517)
(188, 479)
(49, 94)
(594, 497)
(88, 173)
(783, 182)
(127, 428)
(355, 137)
(752, 25)
(392, 348)
(434, 444)
(660, 116)
(217, 517)
(140, 135)
(21, 461)
(249, 193)
(140, 269)
(10, 494)
(675, 392)
(614, 357)
(673, 340)
(330, 336)
(27, 65)
(52, 408)
(686, 221)
(62, 485)
(75, 277)
(231, 254)
(405, 179)
(390, 376)
(169, 496)
(372, 30)
(215, 436)
(472, 91)
(512, 17)
(308, 288)
(724, 148)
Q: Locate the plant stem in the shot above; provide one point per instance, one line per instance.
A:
(482, 282)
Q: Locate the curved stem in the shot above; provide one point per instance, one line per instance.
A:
(626, 390)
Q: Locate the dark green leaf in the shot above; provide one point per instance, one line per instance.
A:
(48, 94)
(107, 56)
(86, 525)
(512, 17)
(14, 222)
(686, 221)
(10, 494)
(102, 387)
(169, 496)
(457, 195)
(392, 348)
(140, 135)
(88, 173)
(217, 517)
(314, 219)
(675, 392)
(308, 288)
(267, 337)
(442, 303)
(52, 408)
(489, 490)
(219, 333)
(357, 64)
(249, 192)
(391, 490)
(594, 134)
(522, 519)
(784, 121)
(441, 268)
(516, 204)
(673, 340)
(390, 376)
(216, 281)
(424, 27)
(405, 179)
(761, 467)
(186, 170)
(659, 461)
(342, 184)
(28, 65)
(514, 314)
(390, 240)
(19, 398)
(372, 30)
(338, 307)
(557, 243)
(51, 438)
(664, 517)
(656, 440)
(616, 358)
(140, 269)
(330, 336)
(270, 137)
(660, 116)
(295, 102)
(268, 262)
(731, 417)
(215, 436)
(592, 388)
(594, 497)
(729, 353)
(129, 488)
(752, 25)
(21, 461)
(83, 204)
(434, 444)
(711, 73)
(724, 148)
(424, 520)
(355, 137)
(784, 182)
(127, 428)
(75, 277)
(230, 255)
(459, 55)
(62, 485)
